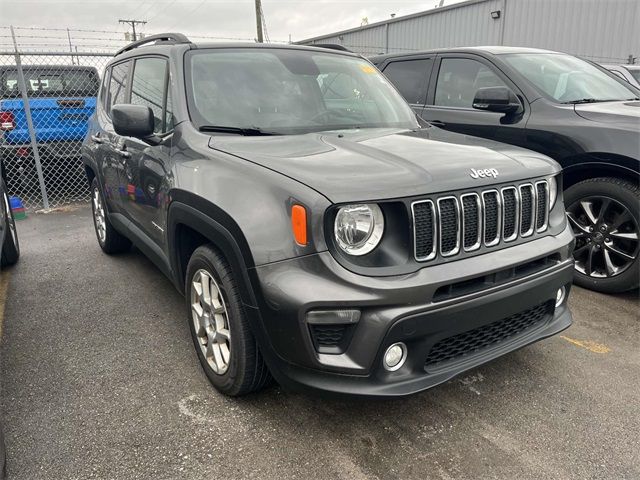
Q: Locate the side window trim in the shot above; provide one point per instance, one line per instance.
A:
(435, 71)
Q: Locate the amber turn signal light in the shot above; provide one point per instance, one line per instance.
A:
(299, 224)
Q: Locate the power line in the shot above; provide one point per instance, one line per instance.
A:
(188, 13)
(133, 24)
(164, 10)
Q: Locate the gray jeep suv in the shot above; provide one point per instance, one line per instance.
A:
(319, 233)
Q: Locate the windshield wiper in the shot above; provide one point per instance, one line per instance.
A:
(248, 131)
(585, 100)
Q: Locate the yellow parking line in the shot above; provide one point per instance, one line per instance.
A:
(588, 344)
(4, 284)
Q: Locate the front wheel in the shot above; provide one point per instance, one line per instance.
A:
(109, 239)
(605, 216)
(225, 345)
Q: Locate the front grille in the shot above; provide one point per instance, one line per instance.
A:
(542, 194)
(509, 213)
(471, 221)
(476, 340)
(424, 230)
(447, 225)
(527, 213)
(491, 217)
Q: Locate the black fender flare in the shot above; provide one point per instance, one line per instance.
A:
(591, 165)
(219, 228)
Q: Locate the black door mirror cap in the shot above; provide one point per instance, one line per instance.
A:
(497, 99)
(133, 120)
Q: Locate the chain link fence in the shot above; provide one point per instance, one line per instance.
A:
(46, 100)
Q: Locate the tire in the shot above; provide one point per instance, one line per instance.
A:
(110, 240)
(11, 246)
(226, 347)
(605, 216)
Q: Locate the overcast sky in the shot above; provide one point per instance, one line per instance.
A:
(235, 19)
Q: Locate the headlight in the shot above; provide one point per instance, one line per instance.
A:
(358, 228)
(553, 192)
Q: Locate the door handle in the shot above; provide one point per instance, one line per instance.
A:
(96, 138)
(437, 123)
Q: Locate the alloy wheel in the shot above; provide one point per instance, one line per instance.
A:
(99, 216)
(211, 321)
(606, 236)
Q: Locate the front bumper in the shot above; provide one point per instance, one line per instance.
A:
(408, 309)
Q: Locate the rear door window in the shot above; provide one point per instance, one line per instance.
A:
(460, 78)
(148, 88)
(410, 78)
(118, 85)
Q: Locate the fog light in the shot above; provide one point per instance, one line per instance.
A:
(562, 293)
(395, 356)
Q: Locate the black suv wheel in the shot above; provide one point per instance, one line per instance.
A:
(220, 330)
(11, 246)
(604, 214)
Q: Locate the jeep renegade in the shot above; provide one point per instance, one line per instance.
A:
(320, 233)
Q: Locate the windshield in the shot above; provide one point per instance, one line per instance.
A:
(568, 79)
(286, 91)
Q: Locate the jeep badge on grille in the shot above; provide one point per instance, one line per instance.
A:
(485, 172)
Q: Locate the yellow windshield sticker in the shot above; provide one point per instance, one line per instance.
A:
(367, 68)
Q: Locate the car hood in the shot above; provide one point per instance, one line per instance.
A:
(377, 164)
(623, 114)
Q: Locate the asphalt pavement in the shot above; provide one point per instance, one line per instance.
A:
(100, 380)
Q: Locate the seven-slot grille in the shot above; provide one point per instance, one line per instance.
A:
(450, 224)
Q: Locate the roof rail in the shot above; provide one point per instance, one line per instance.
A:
(171, 38)
(330, 46)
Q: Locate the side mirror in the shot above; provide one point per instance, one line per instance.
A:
(132, 120)
(496, 99)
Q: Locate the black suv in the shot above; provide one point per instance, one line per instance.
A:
(319, 233)
(577, 112)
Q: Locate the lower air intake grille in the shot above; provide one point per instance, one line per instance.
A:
(331, 338)
(474, 341)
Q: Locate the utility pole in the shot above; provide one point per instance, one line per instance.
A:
(259, 20)
(133, 24)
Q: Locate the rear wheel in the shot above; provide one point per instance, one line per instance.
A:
(109, 239)
(220, 330)
(11, 246)
(605, 216)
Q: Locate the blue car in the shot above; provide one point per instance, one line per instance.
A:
(61, 99)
